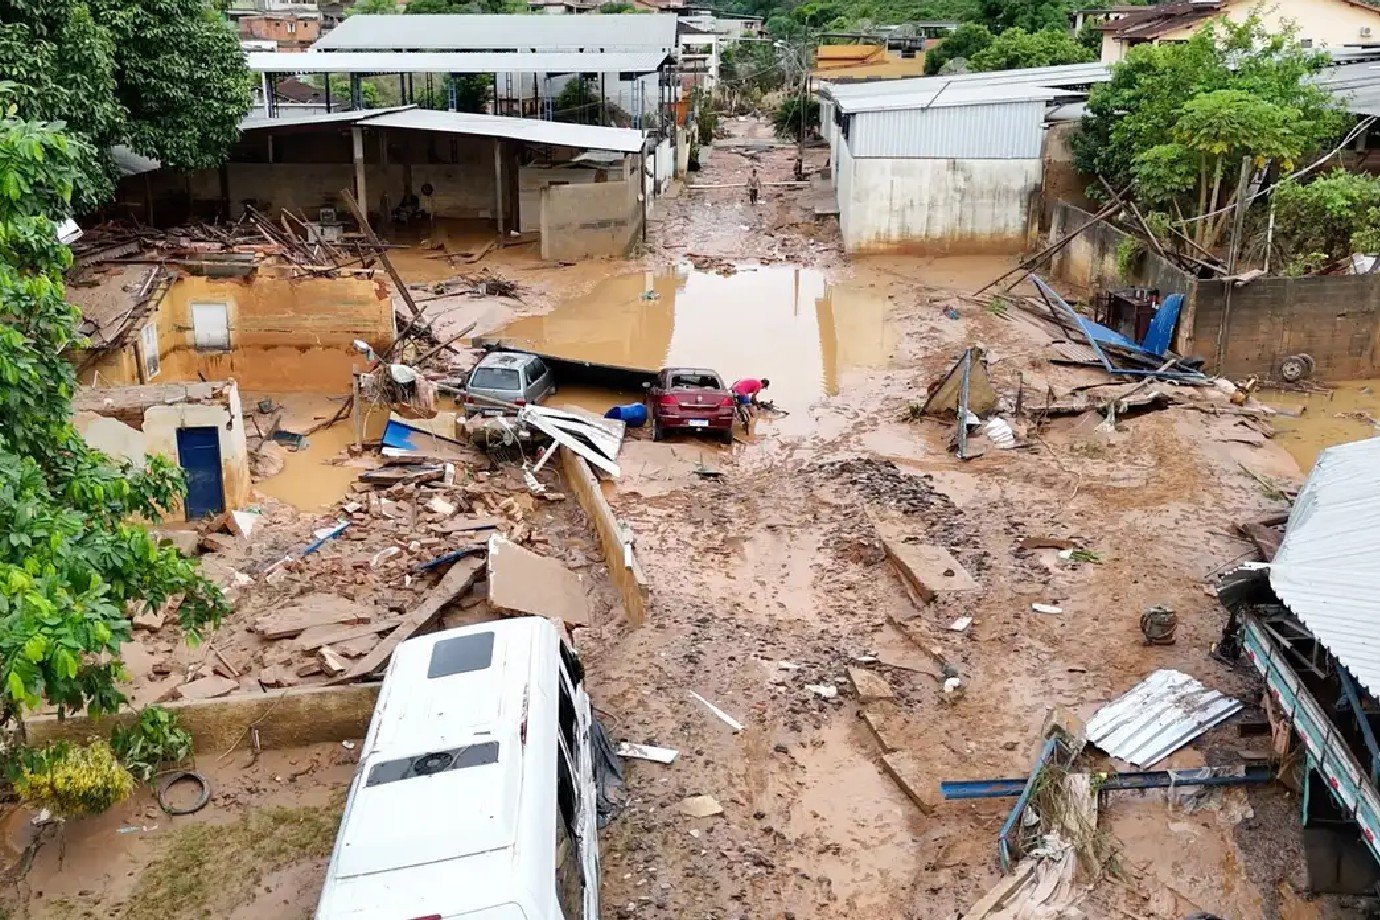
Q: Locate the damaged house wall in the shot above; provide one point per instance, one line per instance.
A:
(267, 331)
(136, 422)
(580, 221)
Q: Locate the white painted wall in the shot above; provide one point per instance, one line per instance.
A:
(934, 204)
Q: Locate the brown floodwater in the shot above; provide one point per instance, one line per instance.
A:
(788, 324)
(318, 475)
(1348, 412)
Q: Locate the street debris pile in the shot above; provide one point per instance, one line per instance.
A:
(418, 543)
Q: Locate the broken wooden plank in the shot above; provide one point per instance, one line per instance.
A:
(520, 581)
(309, 611)
(454, 583)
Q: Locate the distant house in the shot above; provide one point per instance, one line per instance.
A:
(292, 31)
(1320, 23)
(846, 63)
(697, 50)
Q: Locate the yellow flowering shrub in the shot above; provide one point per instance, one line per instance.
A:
(74, 780)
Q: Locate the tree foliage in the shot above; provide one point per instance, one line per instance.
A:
(72, 560)
(1327, 219)
(373, 8)
(1029, 15)
(962, 43)
(1016, 48)
(165, 77)
(1176, 119)
(787, 122)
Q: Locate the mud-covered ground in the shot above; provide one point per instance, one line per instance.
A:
(770, 578)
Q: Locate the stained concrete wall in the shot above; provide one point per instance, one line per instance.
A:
(615, 540)
(285, 719)
(1089, 260)
(934, 205)
(582, 221)
(1335, 319)
(105, 422)
(286, 334)
(532, 179)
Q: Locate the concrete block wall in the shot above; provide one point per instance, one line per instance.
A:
(934, 205)
(582, 221)
(1335, 319)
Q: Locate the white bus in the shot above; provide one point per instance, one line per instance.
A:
(476, 794)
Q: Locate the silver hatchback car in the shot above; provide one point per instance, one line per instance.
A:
(511, 376)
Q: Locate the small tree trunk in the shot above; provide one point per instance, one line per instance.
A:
(1205, 227)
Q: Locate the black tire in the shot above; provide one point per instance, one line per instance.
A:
(658, 433)
(172, 779)
(728, 437)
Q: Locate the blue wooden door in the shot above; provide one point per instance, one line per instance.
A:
(198, 452)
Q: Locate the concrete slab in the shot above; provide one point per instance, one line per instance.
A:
(926, 569)
(870, 685)
(522, 582)
(914, 779)
(311, 611)
(207, 688)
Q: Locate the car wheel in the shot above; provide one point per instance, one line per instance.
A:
(728, 436)
(658, 433)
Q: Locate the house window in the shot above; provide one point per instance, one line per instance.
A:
(1305, 43)
(148, 349)
(211, 326)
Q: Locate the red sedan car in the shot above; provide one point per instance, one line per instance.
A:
(690, 399)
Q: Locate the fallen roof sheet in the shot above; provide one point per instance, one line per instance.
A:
(549, 62)
(633, 31)
(588, 137)
(1158, 716)
(1327, 570)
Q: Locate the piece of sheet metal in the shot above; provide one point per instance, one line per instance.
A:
(592, 441)
(1157, 717)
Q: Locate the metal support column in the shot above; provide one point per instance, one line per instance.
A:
(361, 193)
(498, 188)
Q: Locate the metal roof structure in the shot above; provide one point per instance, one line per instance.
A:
(949, 96)
(553, 62)
(1327, 570)
(1356, 86)
(1158, 716)
(557, 133)
(1058, 77)
(591, 137)
(627, 32)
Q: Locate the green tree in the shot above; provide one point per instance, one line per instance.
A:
(72, 558)
(165, 77)
(963, 42)
(373, 8)
(1030, 15)
(620, 7)
(1016, 48)
(1176, 119)
(786, 119)
(1330, 217)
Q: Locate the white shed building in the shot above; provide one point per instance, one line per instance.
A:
(942, 163)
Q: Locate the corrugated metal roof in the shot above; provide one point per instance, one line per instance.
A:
(990, 131)
(1158, 716)
(1063, 75)
(591, 137)
(255, 120)
(455, 61)
(129, 163)
(949, 97)
(1327, 569)
(630, 32)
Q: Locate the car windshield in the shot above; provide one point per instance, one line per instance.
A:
(495, 378)
(684, 381)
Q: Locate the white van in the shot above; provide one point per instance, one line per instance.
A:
(476, 794)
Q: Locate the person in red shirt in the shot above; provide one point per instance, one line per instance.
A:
(746, 391)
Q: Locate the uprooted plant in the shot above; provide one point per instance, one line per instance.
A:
(152, 740)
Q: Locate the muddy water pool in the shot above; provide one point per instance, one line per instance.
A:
(787, 324)
(1348, 412)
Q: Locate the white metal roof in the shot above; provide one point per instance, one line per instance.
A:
(455, 62)
(1158, 716)
(629, 32)
(1063, 75)
(592, 137)
(1327, 570)
(588, 137)
(949, 96)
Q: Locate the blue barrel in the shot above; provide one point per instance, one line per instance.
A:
(634, 415)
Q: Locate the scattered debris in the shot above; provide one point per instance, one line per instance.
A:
(701, 806)
(870, 685)
(1157, 624)
(961, 624)
(1046, 608)
(825, 691)
(725, 717)
(925, 569)
(647, 752)
(522, 582)
(913, 776)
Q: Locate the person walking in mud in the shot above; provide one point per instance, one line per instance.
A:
(754, 187)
